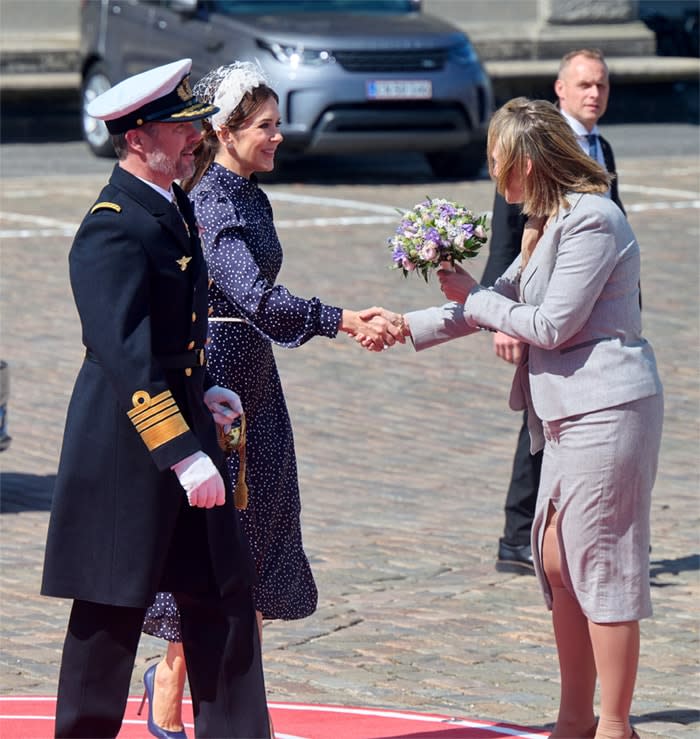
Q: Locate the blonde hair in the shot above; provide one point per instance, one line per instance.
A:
(533, 132)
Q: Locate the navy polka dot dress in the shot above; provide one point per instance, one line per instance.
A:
(244, 257)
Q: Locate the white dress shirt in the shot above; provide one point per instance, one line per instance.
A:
(582, 137)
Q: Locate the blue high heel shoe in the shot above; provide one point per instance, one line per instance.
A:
(148, 680)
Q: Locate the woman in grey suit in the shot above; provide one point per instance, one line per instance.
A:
(594, 399)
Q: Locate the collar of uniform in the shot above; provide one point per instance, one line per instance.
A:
(167, 194)
(144, 192)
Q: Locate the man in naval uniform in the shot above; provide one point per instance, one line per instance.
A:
(142, 502)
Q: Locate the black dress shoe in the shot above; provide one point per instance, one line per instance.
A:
(516, 559)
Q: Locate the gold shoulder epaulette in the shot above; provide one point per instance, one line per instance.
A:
(157, 419)
(106, 205)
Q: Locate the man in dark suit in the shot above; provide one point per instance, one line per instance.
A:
(582, 88)
(142, 502)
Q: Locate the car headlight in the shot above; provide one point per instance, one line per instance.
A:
(463, 53)
(296, 56)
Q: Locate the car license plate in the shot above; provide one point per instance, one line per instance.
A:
(399, 89)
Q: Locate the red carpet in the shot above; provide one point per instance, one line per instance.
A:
(31, 717)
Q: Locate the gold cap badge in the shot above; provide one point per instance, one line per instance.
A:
(184, 91)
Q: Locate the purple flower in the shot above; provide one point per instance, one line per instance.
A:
(432, 234)
(398, 254)
(468, 229)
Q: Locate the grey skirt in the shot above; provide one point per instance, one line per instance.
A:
(598, 471)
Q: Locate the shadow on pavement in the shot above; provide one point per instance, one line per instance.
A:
(682, 716)
(689, 563)
(32, 118)
(21, 492)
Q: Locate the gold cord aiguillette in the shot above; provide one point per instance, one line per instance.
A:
(234, 440)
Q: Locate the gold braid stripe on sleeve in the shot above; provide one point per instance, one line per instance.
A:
(157, 419)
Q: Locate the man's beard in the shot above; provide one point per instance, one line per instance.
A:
(173, 169)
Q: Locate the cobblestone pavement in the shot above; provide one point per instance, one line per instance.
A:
(404, 460)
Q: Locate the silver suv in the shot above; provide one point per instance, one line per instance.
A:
(352, 75)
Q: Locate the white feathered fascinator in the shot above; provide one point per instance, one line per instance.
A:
(225, 87)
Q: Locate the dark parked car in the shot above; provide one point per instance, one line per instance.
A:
(352, 75)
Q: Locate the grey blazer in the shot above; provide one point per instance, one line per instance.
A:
(576, 304)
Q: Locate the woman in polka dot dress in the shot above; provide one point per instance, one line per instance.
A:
(248, 313)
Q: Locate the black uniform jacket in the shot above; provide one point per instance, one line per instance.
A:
(121, 528)
(507, 224)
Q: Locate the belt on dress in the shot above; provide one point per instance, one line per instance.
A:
(228, 319)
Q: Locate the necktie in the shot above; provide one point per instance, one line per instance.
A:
(592, 145)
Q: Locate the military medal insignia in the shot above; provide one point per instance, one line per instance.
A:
(182, 262)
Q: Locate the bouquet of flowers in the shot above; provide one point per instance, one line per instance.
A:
(435, 234)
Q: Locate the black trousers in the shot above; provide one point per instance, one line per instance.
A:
(222, 651)
(522, 491)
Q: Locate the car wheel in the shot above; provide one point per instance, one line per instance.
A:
(95, 131)
(465, 163)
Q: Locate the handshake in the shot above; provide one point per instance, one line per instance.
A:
(375, 328)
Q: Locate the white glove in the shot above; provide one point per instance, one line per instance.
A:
(201, 480)
(224, 404)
